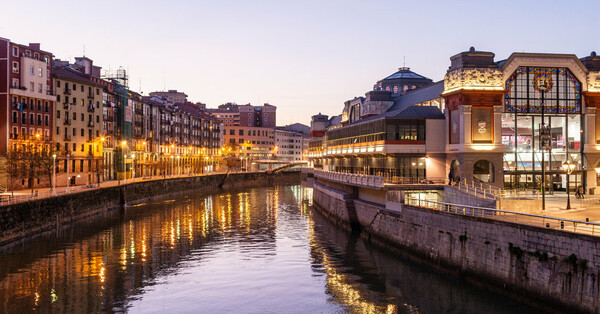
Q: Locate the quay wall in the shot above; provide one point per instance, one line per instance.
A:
(553, 269)
(18, 221)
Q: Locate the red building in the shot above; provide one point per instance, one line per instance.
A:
(26, 95)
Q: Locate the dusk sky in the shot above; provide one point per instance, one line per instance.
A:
(304, 57)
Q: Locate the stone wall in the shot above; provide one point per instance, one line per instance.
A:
(551, 268)
(29, 218)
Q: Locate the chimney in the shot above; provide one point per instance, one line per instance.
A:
(34, 46)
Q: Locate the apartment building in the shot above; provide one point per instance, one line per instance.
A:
(78, 134)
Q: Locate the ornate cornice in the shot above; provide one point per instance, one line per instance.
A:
(478, 79)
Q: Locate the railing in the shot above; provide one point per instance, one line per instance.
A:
(10, 199)
(571, 225)
(67, 121)
(90, 124)
(354, 179)
(478, 189)
(414, 180)
(67, 91)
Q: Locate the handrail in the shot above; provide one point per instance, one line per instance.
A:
(520, 218)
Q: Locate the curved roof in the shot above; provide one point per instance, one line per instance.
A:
(405, 73)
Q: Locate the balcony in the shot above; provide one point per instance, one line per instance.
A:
(67, 106)
(90, 95)
(67, 137)
(50, 93)
(91, 108)
(67, 91)
(90, 124)
(67, 121)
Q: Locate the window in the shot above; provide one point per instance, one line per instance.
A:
(74, 131)
(31, 70)
(57, 83)
(15, 83)
(46, 120)
(241, 141)
(74, 116)
(31, 121)
(14, 117)
(40, 88)
(31, 86)
(232, 132)
(74, 149)
(82, 132)
(39, 119)
(15, 51)
(57, 131)
(40, 72)
(560, 90)
(241, 132)
(74, 86)
(15, 67)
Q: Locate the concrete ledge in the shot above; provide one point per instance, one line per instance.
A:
(553, 269)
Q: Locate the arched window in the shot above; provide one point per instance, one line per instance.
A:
(483, 170)
(556, 88)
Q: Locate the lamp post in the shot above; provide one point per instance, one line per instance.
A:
(178, 165)
(171, 165)
(54, 174)
(132, 167)
(568, 167)
(68, 178)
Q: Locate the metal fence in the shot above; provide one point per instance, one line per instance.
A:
(576, 226)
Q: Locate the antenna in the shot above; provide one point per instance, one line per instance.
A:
(404, 62)
(84, 50)
(141, 86)
(164, 81)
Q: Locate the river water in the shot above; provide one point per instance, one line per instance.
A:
(262, 250)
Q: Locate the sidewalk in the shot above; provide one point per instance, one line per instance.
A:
(18, 196)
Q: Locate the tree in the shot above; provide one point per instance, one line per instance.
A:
(46, 161)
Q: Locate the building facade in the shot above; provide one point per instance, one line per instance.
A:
(288, 145)
(499, 122)
(77, 133)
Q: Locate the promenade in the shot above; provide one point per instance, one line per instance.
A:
(18, 196)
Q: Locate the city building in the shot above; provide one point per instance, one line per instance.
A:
(26, 102)
(232, 114)
(288, 145)
(253, 143)
(500, 122)
(172, 96)
(77, 135)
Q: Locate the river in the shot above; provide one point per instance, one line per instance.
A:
(261, 250)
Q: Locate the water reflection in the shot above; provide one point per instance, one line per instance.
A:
(256, 250)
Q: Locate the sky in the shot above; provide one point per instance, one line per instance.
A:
(305, 57)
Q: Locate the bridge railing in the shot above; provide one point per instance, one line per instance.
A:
(577, 226)
(349, 178)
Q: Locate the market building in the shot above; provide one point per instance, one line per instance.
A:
(499, 122)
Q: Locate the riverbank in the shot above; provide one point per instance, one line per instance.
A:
(26, 219)
(553, 269)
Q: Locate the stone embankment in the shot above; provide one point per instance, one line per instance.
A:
(554, 269)
(21, 220)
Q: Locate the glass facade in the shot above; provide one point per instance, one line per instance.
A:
(536, 98)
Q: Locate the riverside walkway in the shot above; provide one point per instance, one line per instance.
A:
(18, 196)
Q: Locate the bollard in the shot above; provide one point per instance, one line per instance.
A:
(562, 224)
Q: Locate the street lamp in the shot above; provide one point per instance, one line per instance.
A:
(54, 174)
(132, 166)
(171, 165)
(68, 178)
(568, 167)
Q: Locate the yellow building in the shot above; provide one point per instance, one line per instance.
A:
(77, 132)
